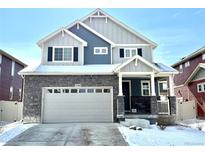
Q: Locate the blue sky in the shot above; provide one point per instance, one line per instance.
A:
(177, 32)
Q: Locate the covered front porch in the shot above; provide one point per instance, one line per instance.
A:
(148, 92)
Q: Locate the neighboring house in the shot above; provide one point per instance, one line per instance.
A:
(97, 69)
(190, 82)
(11, 83)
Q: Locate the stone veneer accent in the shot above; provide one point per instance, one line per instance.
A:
(33, 90)
(172, 104)
(120, 107)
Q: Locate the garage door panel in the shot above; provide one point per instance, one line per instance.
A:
(77, 107)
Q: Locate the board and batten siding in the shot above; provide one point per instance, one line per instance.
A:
(113, 31)
(200, 74)
(60, 40)
(140, 67)
(146, 54)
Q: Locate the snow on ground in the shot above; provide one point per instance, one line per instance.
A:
(193, 123)
(11, 130)
(2, 123)
(171, 136)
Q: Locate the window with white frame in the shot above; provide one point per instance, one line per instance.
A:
(100, 50)
(180, 68)
(11, 90)
(145, 88)
(187, 64)
(162, 88)
(63, 54)
(203, 56)
(130, 52)
(0, 58)
(201, 87)
(13, 68)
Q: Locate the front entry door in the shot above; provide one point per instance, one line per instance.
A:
(126, 93)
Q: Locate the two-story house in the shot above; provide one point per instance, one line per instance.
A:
(96, 69)
(11, 83)
(190, 82)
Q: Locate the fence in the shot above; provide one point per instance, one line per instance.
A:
(11, 111)
(185, 110)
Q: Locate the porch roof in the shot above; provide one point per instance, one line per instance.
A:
(157, 67)
(106, 69)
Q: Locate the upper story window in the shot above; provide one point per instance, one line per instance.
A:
(203, 56)
(201, 87)
(63, 54)
(13, 68)
(100, 50)
(187, 64)
(181, 68)
(11, 90)
(130, 52)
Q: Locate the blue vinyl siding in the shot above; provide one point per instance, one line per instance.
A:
(93, 41)
(136, 85)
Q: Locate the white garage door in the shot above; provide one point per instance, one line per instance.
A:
(83, 104)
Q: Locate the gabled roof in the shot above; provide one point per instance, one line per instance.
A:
(199, 66)
(121, 24)
(91, 30)
(103, 69)
(62, 30)
(192, 55)
(12, 57)
(138, 58)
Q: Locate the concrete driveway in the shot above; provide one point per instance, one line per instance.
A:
(70, 134)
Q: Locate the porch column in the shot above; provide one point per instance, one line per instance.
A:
(120, 85)
(152, 85)
(171, 86)
(120, 101)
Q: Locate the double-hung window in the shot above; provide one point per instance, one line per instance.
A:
(145, 87)
(187, 64)
(100, 50)
(63, 54)
(130, 52)
(201, 87)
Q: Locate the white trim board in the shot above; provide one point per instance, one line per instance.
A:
(138, 58)
(200, 65)
(61, 30)
(91, 30)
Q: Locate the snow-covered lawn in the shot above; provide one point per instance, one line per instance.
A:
(171, 136)
(193, 123)
(9, 131)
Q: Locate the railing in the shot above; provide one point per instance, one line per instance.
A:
(163, 106)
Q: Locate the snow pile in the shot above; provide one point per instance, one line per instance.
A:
(171, 136)
(136, 122)
(193, 123)
(12, 130)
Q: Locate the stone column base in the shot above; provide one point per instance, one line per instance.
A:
(172, 105)
(120, 107)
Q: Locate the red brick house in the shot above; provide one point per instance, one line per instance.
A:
(190, 82)
(11, 82)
